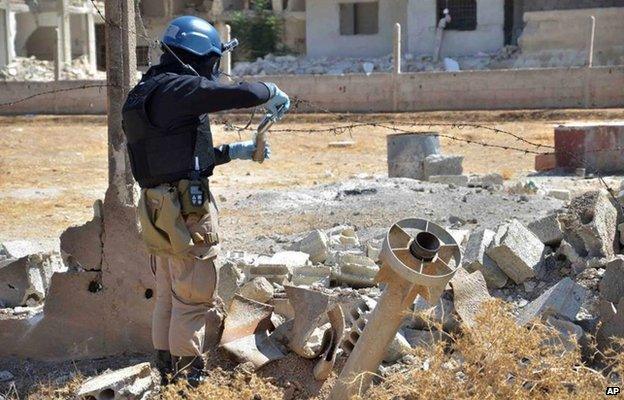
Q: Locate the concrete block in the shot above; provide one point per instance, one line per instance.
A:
(486, 181)
(230, 278)
(597, 147)
(457, 180)
(439, 164)
(516, 250)
(290, 258)
(612, 325)
(135, 382)
(548, 230)
(469, 295)
(560, 194)
(275, 273)
(406, 153)
(354, 270)
(25, 280)
(460, 235)
(315, 244)
(23, 248)
(318, 275)
(590, 225)
(612, 282)
(545, 162)
(258, 289)
(475, 258)
(563, 299)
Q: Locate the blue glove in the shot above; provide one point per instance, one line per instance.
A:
(245, 150)
(278, 103)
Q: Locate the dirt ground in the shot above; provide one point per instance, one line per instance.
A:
(52, 168)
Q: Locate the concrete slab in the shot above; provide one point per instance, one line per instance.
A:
(612, 324)
(475, 258)
(516, 250)
(258, 289)
(612, 282)
(469, 295)
(548, 230)
(563, 299)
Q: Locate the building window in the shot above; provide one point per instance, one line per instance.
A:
(142, 56)
(359, 18)
(463, 14)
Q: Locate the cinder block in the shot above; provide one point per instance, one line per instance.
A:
(590, 225)
(548, 230)
(612, 283)
(563, 299)
(475, 258)
(440, 164)
(516, 250)
(545, 162)
(127, 383)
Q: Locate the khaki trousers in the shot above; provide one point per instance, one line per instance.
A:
(185, 290)
(187, 307)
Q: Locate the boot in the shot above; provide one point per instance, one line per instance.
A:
(190, 368)
(164, 364)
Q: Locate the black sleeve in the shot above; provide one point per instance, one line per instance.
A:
(222, 154)
(198, 95)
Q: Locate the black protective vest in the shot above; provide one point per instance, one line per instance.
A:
(160, 155)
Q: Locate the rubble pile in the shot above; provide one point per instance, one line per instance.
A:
(294, 65)
(32, 69)
(314, 296)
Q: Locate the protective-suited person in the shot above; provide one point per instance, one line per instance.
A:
(172, 155)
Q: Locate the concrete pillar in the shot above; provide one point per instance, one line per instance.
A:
(227, 57)
(397, 49)
(121, 76)
(8, 34)
(91, 50)
(58, 56)
(65, 31)
(592, 36)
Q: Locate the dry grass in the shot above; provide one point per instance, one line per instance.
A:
(501, 360)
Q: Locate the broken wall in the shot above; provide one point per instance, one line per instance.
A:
(566, 33)
(487, 37)
(323, 38)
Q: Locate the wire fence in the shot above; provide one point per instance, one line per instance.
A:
(346, 122)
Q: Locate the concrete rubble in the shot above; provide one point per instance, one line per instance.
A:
(612, 282)
(475, 258)
(441, 164)
(32, 69)
(298, 65)
(564, 299)
(516, 250)
(469, 295)
(131, 383)
(258, 289)
(612, 324)
(548, 230)
(590, 225)
(310, 306)
(26, 280)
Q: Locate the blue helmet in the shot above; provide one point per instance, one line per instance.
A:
(194, 35)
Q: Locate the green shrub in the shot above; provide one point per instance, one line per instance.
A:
(259, 33)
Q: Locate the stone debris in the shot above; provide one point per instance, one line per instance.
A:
(26, 279)
(475, 258)
(590, 225)
(569, 332)
(440, 164)
(331, 342)
(298, 65)
(32, 69)
(489, 181)
(612, 282)
(548, 230)
(612, 324)
(560, 194)
(258, 289)
(318, 275)
(230, 278)
(563, 299)
(426, 317)
(245, 333)
(315, 244)
(516, 250)
(130, 383)
(469, 294)
(23, 248)
(354, 270)
(310, 306)
(423, 338)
